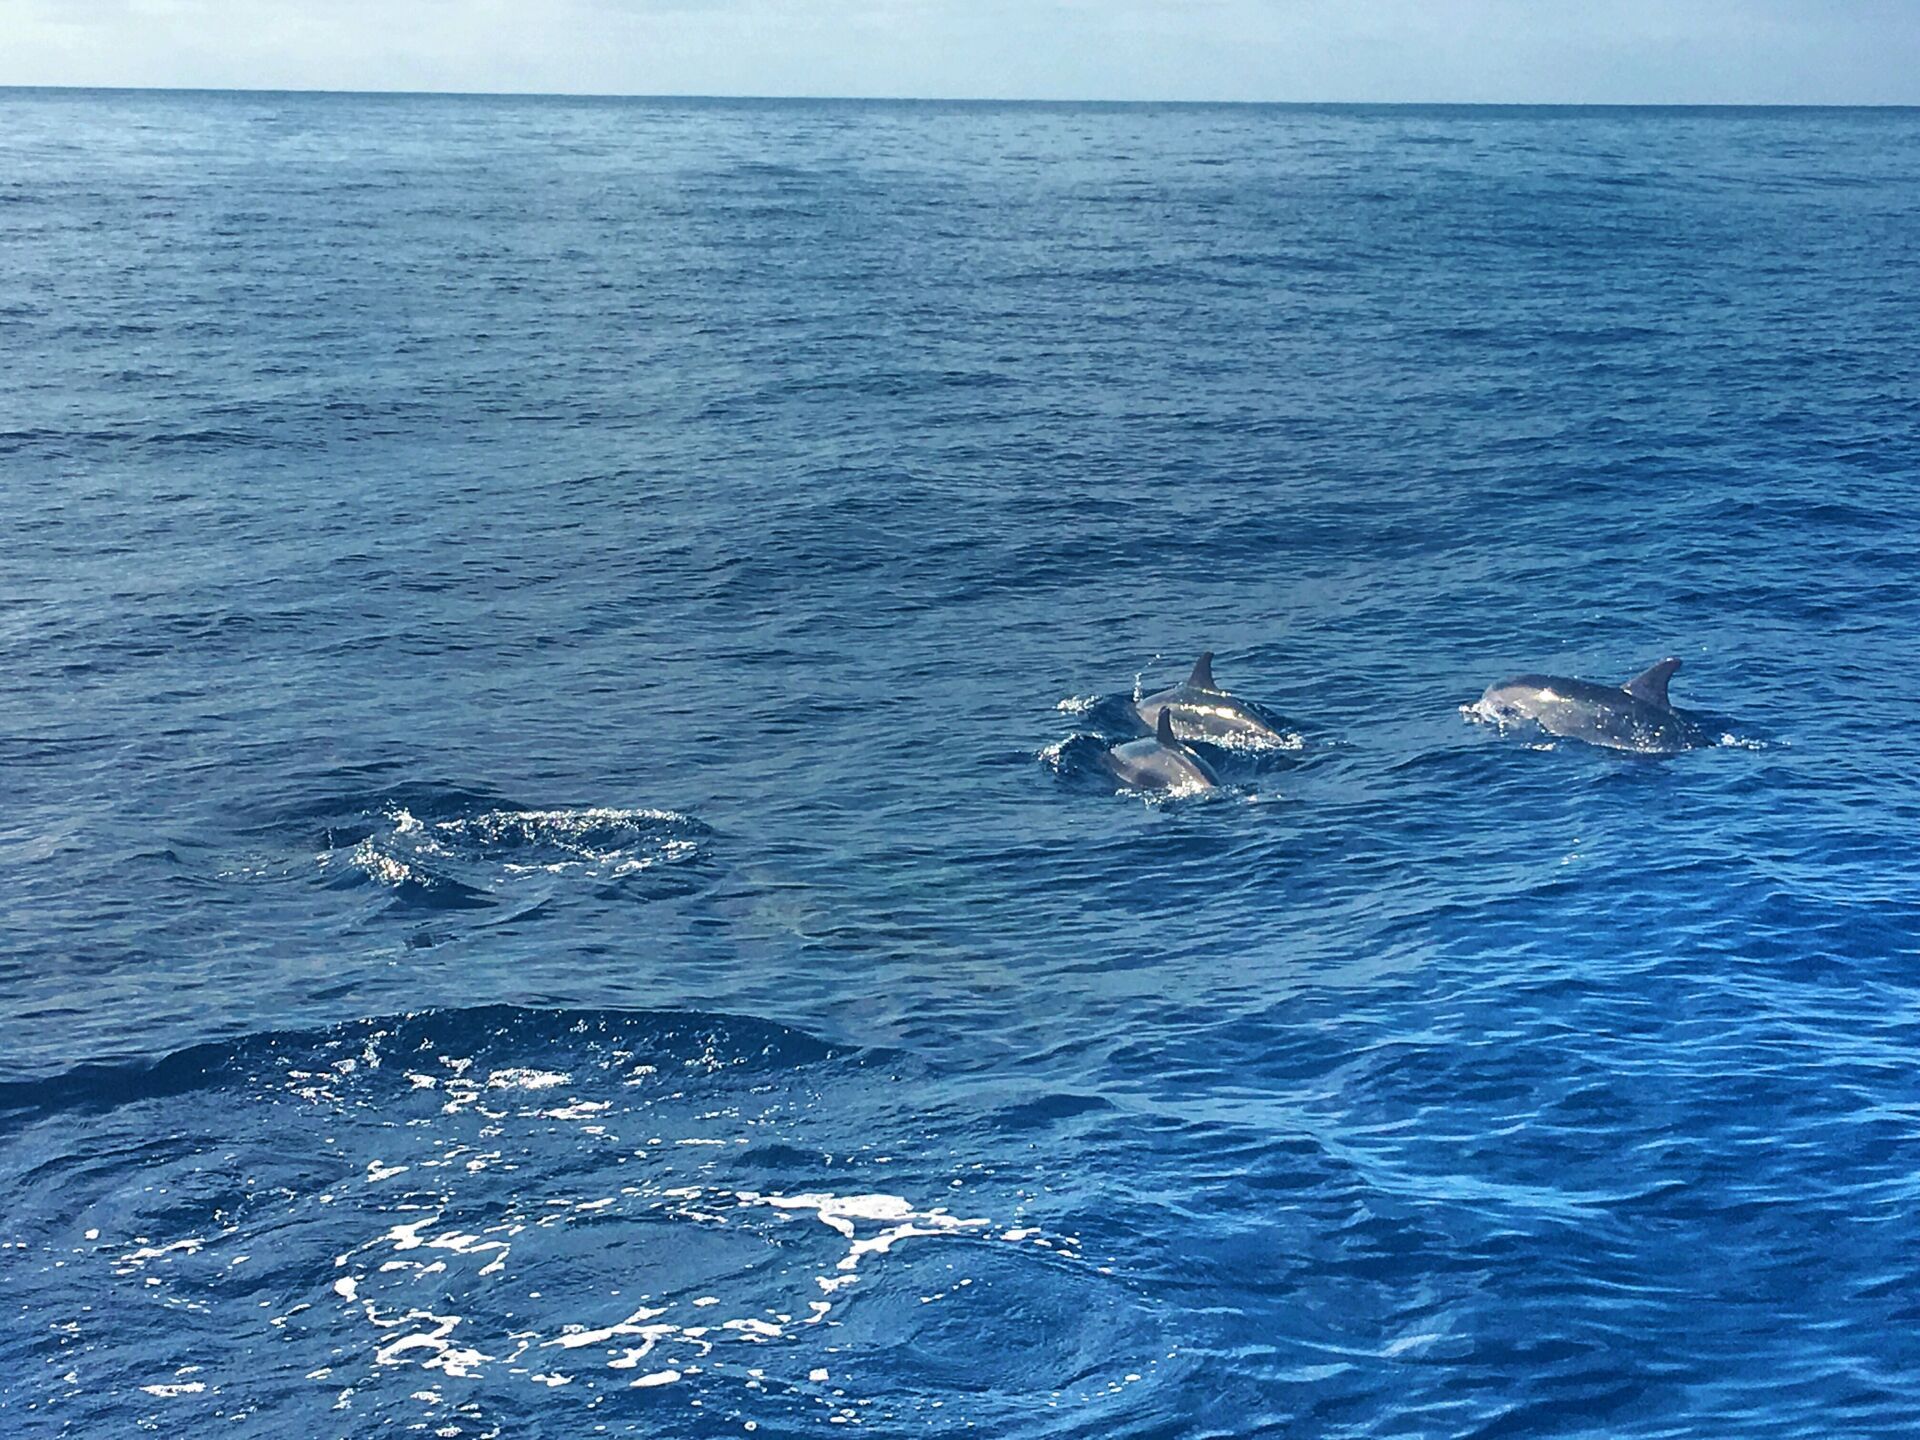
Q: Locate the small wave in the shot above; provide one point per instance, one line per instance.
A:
(300, 1061)
(411, 879)
(461, 861)
(1076, 760)
(599, 840)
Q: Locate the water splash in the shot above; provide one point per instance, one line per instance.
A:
(466, 861)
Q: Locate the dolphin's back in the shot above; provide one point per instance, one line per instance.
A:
(1604, 715)
(1150, 765)
(1206, 714)
(1201, 710)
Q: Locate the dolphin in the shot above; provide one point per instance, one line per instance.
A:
(1634, 716)
(1201, 710)
(1162, 763)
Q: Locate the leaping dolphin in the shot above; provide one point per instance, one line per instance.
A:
(1634, 716)
(1201, 710)
(1162, 763)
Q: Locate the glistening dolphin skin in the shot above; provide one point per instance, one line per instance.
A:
(1634, 716)
(1201, 710)
(1162, 763)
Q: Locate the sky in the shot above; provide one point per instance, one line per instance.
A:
(1524, 51)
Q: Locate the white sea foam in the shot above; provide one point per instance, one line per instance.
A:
(1289, 741)
(1049, 755)
(154, 1252)
(494, 847)
(440, 1284)
(443, 1354)
(578, 1110)
(615, 841)
(679, 1336)
(385, 868)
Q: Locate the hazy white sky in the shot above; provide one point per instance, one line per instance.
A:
(1699, 51)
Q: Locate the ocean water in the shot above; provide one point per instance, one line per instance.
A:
(552, 880)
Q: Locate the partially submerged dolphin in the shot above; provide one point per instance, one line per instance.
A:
(1201, 710)
(1634, 716)
(1162, 763)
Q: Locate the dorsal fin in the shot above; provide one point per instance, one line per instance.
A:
(1651, 684)
(1163, 732)
(1202, 676)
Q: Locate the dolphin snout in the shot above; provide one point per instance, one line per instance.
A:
(1501, 702)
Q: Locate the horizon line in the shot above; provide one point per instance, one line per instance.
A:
(983, 100)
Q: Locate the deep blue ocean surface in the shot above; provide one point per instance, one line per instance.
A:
(551, 879)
